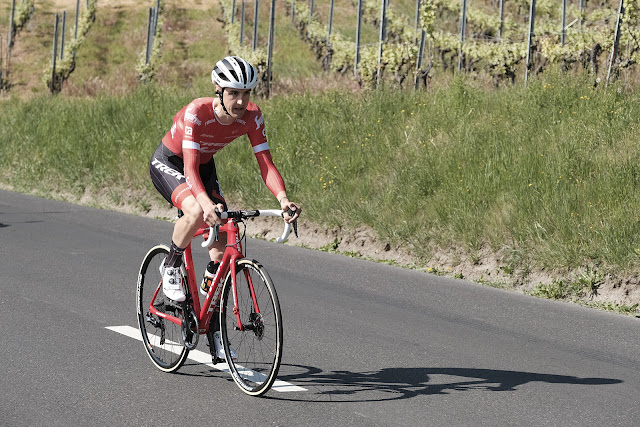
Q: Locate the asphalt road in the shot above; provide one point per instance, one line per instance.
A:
(369, 344)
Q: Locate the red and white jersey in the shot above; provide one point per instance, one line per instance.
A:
(197, 134)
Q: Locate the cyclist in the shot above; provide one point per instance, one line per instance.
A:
(184, 172)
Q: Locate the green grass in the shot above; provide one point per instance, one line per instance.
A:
(551, 171)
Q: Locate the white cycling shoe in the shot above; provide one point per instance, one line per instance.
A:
(172, 284)
(217, 341)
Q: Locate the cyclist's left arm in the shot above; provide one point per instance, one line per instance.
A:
(268, 170)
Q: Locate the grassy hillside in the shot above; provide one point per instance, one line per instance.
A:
(546, 176)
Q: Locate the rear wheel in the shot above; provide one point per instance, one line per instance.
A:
(258, 340)
(162, 338)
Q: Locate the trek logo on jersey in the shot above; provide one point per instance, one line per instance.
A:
(210, 147)
(190, 117)
(259, 121)
(242, 122)
(167, 170)
(208, 122)
(188, 130)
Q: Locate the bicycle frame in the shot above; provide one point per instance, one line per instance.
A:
(232, 254)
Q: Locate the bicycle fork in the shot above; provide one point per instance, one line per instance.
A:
(254, 318)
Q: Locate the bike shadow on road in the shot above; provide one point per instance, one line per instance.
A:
(404, 383)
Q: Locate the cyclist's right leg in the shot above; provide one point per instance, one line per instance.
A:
(167, 174)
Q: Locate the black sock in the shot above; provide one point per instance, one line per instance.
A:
(174, 259)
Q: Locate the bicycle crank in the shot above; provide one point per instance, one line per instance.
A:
(190, 327)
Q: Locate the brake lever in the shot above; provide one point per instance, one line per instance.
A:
(294, 223)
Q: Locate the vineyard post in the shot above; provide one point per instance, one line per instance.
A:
(255, 27)
(54, 54)
(501, 21)
(532, 19)
(272, 22)
(383, 21)
(423, 36)
(149, 34)
(616, 41)
(233, 11)
(563, 31)
(64, 29)
(463, 28)
(417, 16)
(11, 28)
(242, 23)
(330, 22)
(293, 10)
(357, 58)
(311, 9)
(385, 4)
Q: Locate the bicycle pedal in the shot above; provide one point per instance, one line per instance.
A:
(215, 360)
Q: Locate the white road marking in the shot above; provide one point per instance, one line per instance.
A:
(204, 358)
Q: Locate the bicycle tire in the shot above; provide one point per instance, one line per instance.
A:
(258, 348)
(162, 339)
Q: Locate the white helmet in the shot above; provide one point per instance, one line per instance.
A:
(234, 72)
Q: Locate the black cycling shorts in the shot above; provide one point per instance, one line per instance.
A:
(167, 175)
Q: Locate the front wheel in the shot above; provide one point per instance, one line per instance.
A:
(162, 338)
(256, 338)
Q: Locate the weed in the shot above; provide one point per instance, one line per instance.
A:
(331, 247)
(352, 254)
(555, 290)
(588, 281)
(144, 205)
(508, 269)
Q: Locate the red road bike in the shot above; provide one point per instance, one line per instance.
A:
(242, 303)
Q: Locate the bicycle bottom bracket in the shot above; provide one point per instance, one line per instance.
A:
(190, 327)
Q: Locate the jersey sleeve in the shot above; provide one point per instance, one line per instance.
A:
(191, 149)
(258, 137)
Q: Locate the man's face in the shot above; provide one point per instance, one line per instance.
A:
(236, 101)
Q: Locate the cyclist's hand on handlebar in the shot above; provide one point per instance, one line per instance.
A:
(291, 210)
(211, 214)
